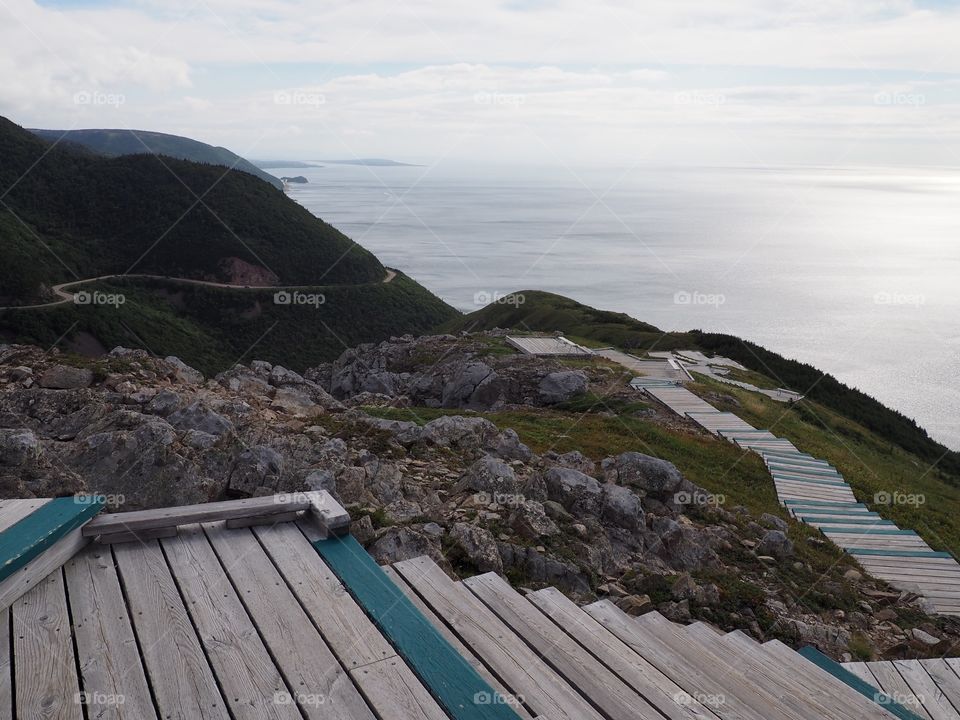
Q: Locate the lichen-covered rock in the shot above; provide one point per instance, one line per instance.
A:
(577, 492)
(621, 507)
(492, 476)
(775, 543)
(558, 387)
(257, 467)
(196, 416)
(18, 446)
(66, 377)
(182, 373)
(477, 546)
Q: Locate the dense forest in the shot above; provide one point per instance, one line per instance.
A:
(69, 214)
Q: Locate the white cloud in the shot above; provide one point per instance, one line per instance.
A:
(572, 80)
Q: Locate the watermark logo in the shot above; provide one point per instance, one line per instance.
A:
(98, 98)
(99, 699)
(506, 499)
(699, 97)
(699, 497)
(513, 100)
(292, 498)
(899, 498)
(898, 698)
(488, 698)
(299, 698)
(896, 298)
(712, 700)
(299, 97)
(284, 297)
(113, 500)
(685, 297)
(99, 298)
(899, 98)
(485, 297)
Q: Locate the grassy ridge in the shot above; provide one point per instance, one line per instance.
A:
(213, 328)
(867, 460)
(535, 310)
(113, 143)
(873, 415)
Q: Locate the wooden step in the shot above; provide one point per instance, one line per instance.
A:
(658, 689)
(507, 656)
(607, 692)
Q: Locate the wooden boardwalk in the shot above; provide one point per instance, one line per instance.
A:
(573, 663)
(930, 688)
(260, 617)
(815, 492)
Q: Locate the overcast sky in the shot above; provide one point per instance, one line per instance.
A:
(750, 82)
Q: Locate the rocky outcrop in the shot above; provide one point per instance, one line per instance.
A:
(66, 377)
(558, 387)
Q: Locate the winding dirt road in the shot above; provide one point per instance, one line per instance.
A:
(65, 295)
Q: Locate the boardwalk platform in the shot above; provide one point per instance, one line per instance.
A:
(815, 492)
(242, 612)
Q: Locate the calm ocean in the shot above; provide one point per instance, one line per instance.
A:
(856, 271)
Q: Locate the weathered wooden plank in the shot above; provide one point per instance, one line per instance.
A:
(325, 507)
(508, 657)
(790, 699)
(449, 677)
(330, 514)
(831, 667)
(834, 698)
(923, 687)
(319, 684)
(391, 684)
(659, 690)
(244, 522)
(455, 642)
(135, 536)
(343, 624)
(46, 683)
(205, 512)
(41, 529)
(41, 566)
(895, 687)
(13, 511)
(6, 679)
(861, 670)
(607, 692)
(181, 678)
(946, 679)
(352, 636)
(113, 678)
(245, 671)
(718, 684)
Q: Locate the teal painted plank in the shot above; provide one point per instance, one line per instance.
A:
(23, 541)
(449, 677)
(809, 481)
(869, 531)
(774, 456)
(824, 503)
(733, 432)
(899, 553)
(861, 686)
(871, 521)
(802, 470)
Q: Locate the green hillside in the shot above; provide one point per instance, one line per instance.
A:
(75, 215)
(214, 328)
(113, 143)
(547, 312)
(70, 214)
(538, 311)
